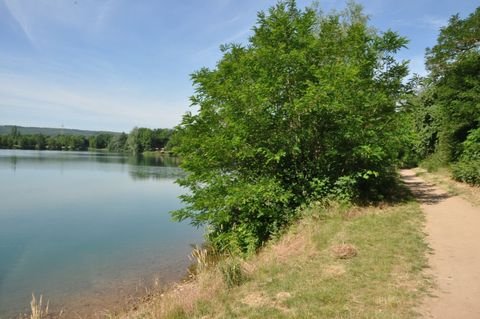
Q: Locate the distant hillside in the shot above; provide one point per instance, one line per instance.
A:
(6, 129)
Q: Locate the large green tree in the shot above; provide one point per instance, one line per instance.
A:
(305, 110)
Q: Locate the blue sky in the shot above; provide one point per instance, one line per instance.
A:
(116, 64)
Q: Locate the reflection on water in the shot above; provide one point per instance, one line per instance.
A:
(140, 165)
(146, 172)
(79, 227)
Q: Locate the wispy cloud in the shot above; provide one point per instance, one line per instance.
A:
(46, 23)
(240, 35)
(426, 22)
(22, 20)
(25, 94)
(234, 19)
(104, 13)
(214, 49)
(433, 22)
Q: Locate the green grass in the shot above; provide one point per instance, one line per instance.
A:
(300, 276)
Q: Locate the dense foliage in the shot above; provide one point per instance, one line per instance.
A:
(305, 111)
(144, 139)
(447, 107)
(467, 169)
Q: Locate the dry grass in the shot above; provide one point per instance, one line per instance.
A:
(344, 251)
(182, 298)
(261, 299)
(37, 309)
(292, 245)
(334, 270)
(200, 257)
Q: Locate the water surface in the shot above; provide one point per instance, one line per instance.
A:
(82, 227)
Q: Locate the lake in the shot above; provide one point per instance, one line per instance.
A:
(87, 229)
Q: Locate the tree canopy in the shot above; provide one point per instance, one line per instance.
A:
(454, 65)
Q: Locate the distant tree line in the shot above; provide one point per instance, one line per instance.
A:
(139, 140)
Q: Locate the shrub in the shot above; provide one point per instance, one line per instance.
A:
(467, 171)
(468, 168)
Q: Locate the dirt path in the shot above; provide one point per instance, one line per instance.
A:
(453, 232)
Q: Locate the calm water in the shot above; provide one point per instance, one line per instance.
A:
(81, 227)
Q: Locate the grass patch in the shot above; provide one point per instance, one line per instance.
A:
(334, 263)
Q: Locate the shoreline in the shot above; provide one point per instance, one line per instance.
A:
(117, 298)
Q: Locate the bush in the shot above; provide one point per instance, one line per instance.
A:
(467, 171)
(471, 146)
(468, 168)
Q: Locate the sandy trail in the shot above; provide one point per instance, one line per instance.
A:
(453, 232)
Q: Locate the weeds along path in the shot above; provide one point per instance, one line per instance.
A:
(453, 233)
